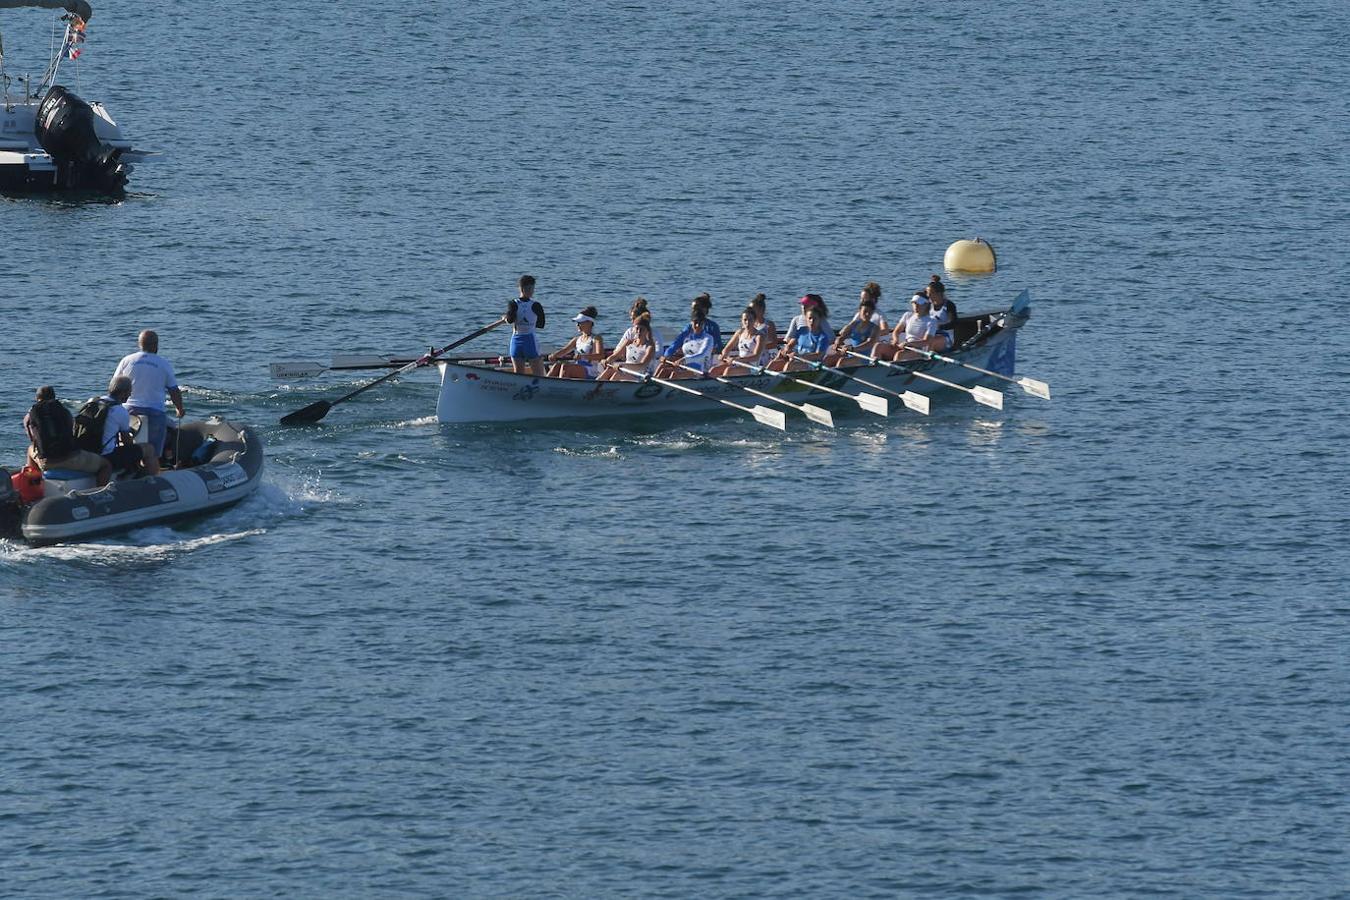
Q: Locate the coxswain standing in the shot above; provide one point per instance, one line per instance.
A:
(525, 314)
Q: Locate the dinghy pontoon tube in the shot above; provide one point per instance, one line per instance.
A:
(73, 509)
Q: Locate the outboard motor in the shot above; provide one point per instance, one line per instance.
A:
(9, 506)
(65, 129)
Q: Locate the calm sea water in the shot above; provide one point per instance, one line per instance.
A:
(1087, 647)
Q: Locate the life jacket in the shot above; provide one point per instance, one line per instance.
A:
(50, 427)
(28, 483)
(89, 422)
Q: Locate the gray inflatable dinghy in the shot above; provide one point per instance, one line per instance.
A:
(222, 464)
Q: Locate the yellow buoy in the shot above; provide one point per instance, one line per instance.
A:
(970, 256)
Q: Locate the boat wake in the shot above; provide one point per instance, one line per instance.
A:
(271, 504)
(590, 452)
(130, 549)
(412, 423)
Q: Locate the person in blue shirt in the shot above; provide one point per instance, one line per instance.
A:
(701, 305)
(809, 301)
(859, 335)
(704, 302)
(694, 347)
(809, 344)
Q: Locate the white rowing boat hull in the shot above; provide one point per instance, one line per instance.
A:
(479, 394)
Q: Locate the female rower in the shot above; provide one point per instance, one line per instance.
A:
(808, 302)
(810, 344)
(872, 291)
(693, 348)
(859, 335)
(636, 351)
(639, 308)
(746, 346)
(584, 351)
(703, 302)
(943, 312)
(763, 324)
(915, 327)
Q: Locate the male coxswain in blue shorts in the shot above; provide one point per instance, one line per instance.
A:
(525, 314)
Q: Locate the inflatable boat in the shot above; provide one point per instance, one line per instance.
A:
(220, 464)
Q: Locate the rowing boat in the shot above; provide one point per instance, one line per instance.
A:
(481, 393)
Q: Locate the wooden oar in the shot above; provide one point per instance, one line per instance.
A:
(1033, 386)
(316, 411)
(355, 362)
(763, 415)
(870, 402)
(984, 395)
(912, 399)
(814, 413)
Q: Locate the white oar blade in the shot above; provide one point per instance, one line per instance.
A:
(818, 415)
(917, 402)
(363, 361)
(283, 370)
(874, 404)
(988, 396)
(1035, 388)
(772, 417)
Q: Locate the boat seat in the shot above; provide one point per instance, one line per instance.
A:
(65, 481)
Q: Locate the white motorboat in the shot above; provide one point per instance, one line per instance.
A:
(51, 139)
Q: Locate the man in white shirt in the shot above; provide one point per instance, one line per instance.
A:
(151, 379)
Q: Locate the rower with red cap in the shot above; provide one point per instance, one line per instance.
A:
(809, 302)
(809, 343)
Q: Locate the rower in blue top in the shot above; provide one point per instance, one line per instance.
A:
(693, 348)
(700, 304)
(808, 345)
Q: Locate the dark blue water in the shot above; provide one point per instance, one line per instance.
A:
(1086, 647)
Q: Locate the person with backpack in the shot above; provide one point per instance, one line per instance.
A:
(51, 436)
(105, 424)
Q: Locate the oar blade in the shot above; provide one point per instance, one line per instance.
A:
(309, 415)
(774, 418)
(988, 396)
(362, 361)
(818, 415)
(299, 369)
(874, 404)
(917, 402)
(1035, 388)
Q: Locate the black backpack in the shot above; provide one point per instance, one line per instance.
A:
(51, 427)
(89, 422)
